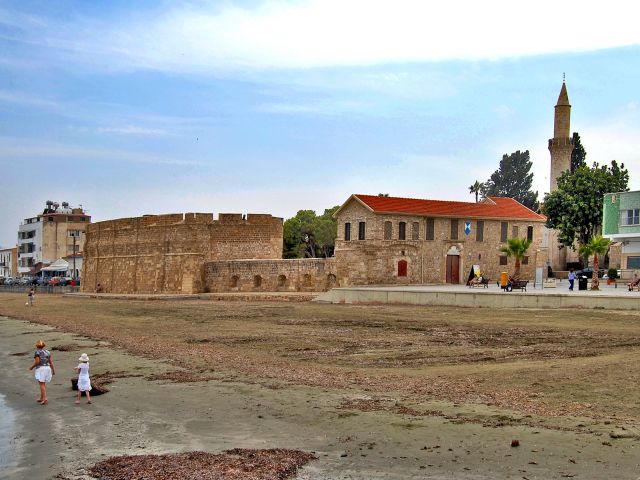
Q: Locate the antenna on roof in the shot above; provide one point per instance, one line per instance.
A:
(563, 77)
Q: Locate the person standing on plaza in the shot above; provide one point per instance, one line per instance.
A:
(572, 278)
(31, 297)
(84, 383)
(43, 363)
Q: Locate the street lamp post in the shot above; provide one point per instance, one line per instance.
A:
(74, 258)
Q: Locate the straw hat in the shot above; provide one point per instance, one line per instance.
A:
(39, 344)
(84, 357)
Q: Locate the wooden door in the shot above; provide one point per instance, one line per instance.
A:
(453, 269)
(402, 268)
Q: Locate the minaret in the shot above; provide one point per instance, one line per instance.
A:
(561, 145)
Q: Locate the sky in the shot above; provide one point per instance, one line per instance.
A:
(131, 108)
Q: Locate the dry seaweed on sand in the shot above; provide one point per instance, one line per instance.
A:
(235, 464)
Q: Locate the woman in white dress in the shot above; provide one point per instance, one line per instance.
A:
(43, 363)
(84, 383)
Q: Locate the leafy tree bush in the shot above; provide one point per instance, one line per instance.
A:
(309, 235)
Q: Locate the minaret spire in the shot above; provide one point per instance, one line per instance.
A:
(561, 145)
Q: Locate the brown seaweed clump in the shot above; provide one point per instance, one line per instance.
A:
(235, 464)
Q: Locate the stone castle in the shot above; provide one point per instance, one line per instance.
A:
(381, 240)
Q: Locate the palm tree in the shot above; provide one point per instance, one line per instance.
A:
(516, 248)
(476, 188)
(596, 246)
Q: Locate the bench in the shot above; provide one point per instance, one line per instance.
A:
(483, 283)
(516, 285)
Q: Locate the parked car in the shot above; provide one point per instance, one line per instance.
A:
(588, 272)
(54, 281)
(9, 280)
(26, 280)
(1, 280)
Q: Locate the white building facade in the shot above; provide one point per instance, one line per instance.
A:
(29, 244)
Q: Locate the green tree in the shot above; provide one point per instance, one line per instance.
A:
(513, 179)
(578, 154)
(476, 188)
(517, 248)
(325, 232)
(575, 208)
(309, 235)
(596, 246)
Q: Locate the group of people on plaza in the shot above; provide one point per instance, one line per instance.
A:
(45, 369)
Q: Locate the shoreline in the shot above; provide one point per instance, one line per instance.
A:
(8, 455)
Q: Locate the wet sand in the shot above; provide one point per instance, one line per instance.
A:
(61, 440)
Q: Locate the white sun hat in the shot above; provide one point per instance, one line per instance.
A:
(84, 357)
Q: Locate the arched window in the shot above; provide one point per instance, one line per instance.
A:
(234, 281)
(331, 281)
(257, 281)
(388, 228)
(402, 231)
(282, 281)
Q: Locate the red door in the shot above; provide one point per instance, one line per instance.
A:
(453, 269)
(402, 268)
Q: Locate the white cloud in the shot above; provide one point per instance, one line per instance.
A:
(326, 107)
(134, 130)
(321, 33)
(11, 148)
(26, 99)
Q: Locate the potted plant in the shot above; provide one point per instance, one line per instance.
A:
(612, 275)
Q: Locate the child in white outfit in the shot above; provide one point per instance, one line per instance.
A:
(84, 383)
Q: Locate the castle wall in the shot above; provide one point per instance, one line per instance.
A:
(166, 253)
(284, 275)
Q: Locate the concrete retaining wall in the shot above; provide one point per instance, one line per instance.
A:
(477, 299)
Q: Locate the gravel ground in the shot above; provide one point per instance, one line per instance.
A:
(452, 390)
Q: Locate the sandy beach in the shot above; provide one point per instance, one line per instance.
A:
(355, 433)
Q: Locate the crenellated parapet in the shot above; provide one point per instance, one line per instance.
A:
(166, 253)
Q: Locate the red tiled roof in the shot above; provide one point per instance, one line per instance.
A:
(501, 207)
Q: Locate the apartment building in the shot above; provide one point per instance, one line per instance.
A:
(8, 262)
(57, 232)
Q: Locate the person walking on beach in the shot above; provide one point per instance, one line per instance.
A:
(31, 297)
(572, 278)
(43, 363)
(84, 383)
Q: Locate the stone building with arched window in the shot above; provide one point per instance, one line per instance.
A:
(388, 240)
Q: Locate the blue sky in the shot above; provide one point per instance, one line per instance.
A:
(131, 108)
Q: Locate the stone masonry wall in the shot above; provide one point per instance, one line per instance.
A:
(375, 260)
(290, 275)
(167, 253)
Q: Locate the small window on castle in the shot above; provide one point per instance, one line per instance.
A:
(347, 231)
(415, 231)
(402, 231)
(233, 283)
(257, 281)
(514, 231)
(530, 233)
(454, 229)
(504, 226)
(388, 230)
(503, 259)
(307, 281)
(361, 232)
(429, 233)
(525, 260)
